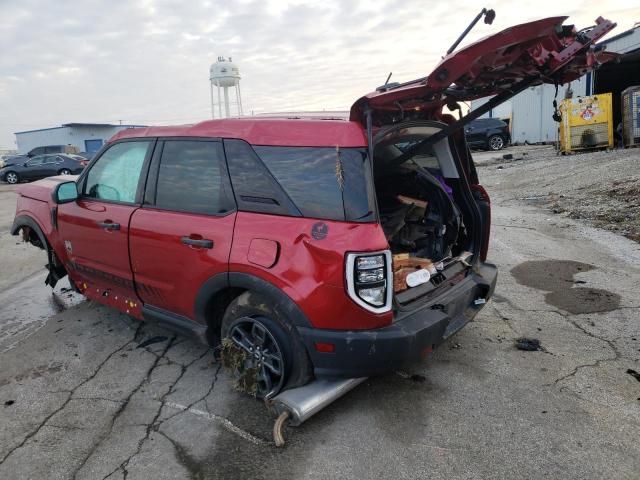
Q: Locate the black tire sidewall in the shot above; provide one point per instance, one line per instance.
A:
(9, 173)
(296, 363)
(64, 170)
(489, 143)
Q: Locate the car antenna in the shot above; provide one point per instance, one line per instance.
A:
(489, 17)
(388, 78)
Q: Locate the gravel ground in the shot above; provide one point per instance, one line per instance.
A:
(602, 188)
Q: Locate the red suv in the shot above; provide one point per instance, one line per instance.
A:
(319, 247)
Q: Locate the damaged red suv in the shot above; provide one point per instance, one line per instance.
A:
(319, 247)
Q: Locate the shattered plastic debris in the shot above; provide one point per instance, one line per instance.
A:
(151, 341)
(528, 344)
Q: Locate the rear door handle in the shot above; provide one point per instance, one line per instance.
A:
(197, 242)
(109, 225)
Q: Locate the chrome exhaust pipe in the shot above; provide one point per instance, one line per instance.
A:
(297, 405)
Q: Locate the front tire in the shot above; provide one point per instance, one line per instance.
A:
(269, 342)
(12, 178)
(64, 171)
(495, 142)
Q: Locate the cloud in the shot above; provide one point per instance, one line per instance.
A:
(147, 61)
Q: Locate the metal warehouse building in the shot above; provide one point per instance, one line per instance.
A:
(530, 113)
(88, 137)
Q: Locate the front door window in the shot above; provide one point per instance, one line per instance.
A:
(116, 174)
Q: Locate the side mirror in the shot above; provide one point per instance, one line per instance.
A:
(65, 193)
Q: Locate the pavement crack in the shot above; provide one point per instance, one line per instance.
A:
(154, 425)
(64, 404)
(124, 404)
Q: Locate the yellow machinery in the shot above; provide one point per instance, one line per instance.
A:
(586, 123)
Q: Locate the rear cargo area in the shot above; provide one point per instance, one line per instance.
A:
(423, 211)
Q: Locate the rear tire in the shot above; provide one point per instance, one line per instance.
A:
(64, 171)
(495, 142)
(270, 342)
(11, 177)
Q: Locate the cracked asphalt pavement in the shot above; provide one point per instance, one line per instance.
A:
(80, 398)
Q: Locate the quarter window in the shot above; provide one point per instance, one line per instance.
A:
(116, 174)
(192, 178)
(325, 183)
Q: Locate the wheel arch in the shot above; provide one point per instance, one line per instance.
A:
(54, 265)
(219, 291)
(22, 221)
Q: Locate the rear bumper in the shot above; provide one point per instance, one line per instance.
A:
(361, 353)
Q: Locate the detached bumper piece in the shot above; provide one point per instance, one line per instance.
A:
(363, 353)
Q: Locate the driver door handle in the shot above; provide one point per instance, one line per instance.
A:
(197, 242)
(109, 225)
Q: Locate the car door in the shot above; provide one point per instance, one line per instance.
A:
(33, 168)
(182, 235)
(51, 165)
(95, 228)
(475, 132)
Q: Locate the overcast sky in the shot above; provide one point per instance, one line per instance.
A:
(147, 61)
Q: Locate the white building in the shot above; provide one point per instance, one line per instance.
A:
(88, 137)
(530, 112)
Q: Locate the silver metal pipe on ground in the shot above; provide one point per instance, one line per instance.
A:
(304, 402)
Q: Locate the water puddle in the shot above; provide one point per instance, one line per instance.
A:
(564, 291)
(26, 307)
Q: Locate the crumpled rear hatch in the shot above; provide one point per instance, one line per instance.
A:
(543, 51)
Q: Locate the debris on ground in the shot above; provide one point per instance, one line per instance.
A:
(235, 359)
(634, 374)
(528, 344)
(8, 403)
(151, 341)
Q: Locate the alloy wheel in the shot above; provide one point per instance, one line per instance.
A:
(263, 353)
(11, 177)
(496, 142)
(65, 171)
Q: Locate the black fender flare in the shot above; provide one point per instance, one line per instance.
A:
(280, 300)
(27, 221)
(56, 269)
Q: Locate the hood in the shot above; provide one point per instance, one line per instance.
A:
(543, 51)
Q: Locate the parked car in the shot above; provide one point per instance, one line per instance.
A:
(52, 149)
(314, 247)
(488, 133)
(24, 168)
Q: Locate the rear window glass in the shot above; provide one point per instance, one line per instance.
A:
(329, 183)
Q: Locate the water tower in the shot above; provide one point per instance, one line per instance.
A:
(222, 75)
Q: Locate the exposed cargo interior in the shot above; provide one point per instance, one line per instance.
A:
(424, 211)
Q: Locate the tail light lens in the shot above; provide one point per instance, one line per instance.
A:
(369, 280)
(84, 163)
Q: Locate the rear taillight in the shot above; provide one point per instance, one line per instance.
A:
(369, 280)
(84, 163)
(484, 203)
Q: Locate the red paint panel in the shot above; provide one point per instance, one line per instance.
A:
(168, 273)
(264, 131)
(263, 252)
(95, 255)
(310, 271)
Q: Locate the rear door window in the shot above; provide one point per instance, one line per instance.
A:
(329, 183)
(192, 178)
(116, 174)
